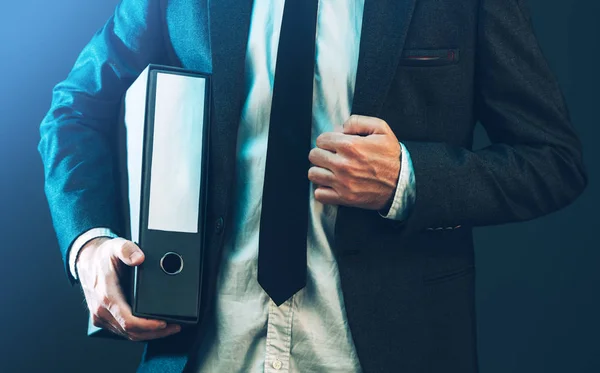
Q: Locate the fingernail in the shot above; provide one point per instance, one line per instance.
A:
(135, 256)
(163, 325)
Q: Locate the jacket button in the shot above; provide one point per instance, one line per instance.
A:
(219, 225)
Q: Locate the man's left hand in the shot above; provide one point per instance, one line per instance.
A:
(358, 167)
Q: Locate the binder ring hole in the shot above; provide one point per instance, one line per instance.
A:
(171, 263)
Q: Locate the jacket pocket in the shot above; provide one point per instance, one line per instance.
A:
(449, 275)
(429, 57)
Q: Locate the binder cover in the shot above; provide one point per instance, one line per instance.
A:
(163, 174)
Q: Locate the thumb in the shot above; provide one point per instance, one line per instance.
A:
(128, 252)
(363, 125)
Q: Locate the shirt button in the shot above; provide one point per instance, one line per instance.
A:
(219, 225)
(277, 364)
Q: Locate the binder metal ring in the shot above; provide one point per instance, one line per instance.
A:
(171, 263)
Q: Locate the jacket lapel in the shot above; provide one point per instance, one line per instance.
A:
(384, 28)
(385, 25)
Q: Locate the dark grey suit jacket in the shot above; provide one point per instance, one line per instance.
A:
(431, 69)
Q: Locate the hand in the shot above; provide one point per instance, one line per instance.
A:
(354, 170)
(98, 265)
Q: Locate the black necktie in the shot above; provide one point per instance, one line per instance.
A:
(284, 217)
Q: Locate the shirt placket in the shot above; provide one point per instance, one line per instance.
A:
(279, 332)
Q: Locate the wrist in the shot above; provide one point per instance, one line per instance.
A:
(87, 250)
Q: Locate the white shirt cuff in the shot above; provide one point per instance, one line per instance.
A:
(406, 190)
(81, 241)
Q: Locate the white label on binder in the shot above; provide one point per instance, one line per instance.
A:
(176, 153)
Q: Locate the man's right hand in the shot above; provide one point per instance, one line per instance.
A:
(98, 266)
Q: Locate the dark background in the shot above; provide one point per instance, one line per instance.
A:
(538, 299)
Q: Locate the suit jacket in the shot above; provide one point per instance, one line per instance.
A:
(432, 69)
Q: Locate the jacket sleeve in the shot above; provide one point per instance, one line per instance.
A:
(533, 166)
(77, 134)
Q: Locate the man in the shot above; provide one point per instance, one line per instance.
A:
(395, 188)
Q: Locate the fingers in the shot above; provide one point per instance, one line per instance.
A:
(324, 158)
(146, 336)
(117, 306)
(337, 142)
(330, 140)
(103, 319)
(131, 324)
(115, 315)
(128, 252)
(328, 196)
(321, 176)
(106, 321)
(363, 125)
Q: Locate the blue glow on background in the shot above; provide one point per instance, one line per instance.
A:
(44, 322)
